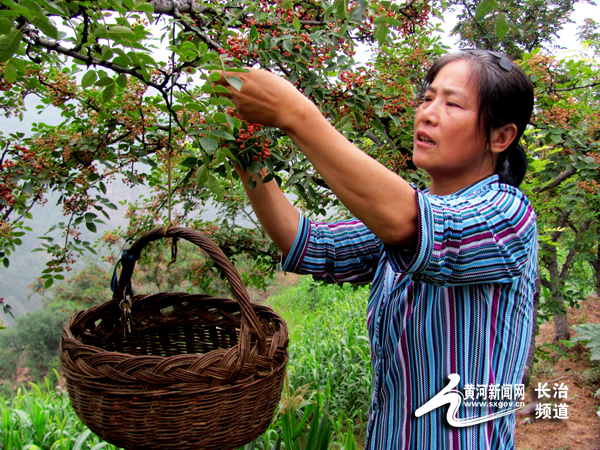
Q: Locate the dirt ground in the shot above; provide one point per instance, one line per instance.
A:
(581, 430)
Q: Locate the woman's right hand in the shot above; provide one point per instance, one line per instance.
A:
(266, 98)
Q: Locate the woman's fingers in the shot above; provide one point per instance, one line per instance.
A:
(264, 97)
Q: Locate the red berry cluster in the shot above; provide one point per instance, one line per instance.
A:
(10, 168)
(250, 141)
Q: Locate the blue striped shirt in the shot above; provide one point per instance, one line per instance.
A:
(460, 301)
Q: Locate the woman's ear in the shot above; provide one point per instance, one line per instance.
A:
(502, 137)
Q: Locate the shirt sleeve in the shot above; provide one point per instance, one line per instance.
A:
(485, 237)
(343, 251)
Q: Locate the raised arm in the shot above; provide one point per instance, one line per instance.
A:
(277, 215)
(382, 200)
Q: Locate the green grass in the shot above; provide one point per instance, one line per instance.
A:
(42, 418)
(329, 348)
(324, 405)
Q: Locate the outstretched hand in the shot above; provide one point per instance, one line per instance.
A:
(266, 98)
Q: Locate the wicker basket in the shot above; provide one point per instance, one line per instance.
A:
(194, 372)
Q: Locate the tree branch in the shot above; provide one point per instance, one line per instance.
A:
(546, 284)
(84, 34)
(575, 87)
(559, 179)
(569, 259)
(561, 224)
(4, 153)
(50, 45)
(181, 6)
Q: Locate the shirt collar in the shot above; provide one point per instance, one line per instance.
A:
(469, 190)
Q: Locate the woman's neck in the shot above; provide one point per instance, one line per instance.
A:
(451, 185)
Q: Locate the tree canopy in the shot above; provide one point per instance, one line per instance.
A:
(127, 113)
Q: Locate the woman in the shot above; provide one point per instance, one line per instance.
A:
(453, 267)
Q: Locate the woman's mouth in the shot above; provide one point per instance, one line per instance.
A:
(424, 138)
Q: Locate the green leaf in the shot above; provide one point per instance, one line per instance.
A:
(359, 11)
(91, 226)
(9, 44)
(118, 5)
(10, 72)
(381, 33)
(201, 175)
(122, 80)
(222, 89)
(6, 262)
(236, 82)
(105, 81)
(5, 26)
(45, 26)
(208, 144)
(107, 53)
(253, 34)
(59, 10)
(34, 14)
(214, 76)
(118, 31)
(501, 26)
(100, 446)
(109, 92)
(100, 32)
(215, 187)
(296, 24)
(189, 162)
(89, 79)
(223, 134)
(49, 282)
(219, 117)
(145, 7)
(484, 8)
(81, 439)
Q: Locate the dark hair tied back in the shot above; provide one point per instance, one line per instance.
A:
(512, 165)
(505, 96)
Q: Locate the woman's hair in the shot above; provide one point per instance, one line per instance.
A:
(505, 95)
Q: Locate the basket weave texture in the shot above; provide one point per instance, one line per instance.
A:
(195, 372)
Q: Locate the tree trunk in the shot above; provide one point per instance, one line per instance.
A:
(561, 324)
(534, 329)
(596, 264)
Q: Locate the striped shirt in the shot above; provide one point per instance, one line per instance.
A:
(459, 302)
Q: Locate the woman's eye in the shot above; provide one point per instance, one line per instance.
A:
(451, 104)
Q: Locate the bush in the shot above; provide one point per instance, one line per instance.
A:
(589, 333)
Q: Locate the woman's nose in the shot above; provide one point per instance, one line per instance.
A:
(430, 112)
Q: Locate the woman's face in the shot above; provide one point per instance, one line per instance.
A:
(447, 142)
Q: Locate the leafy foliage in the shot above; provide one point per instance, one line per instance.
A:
(127, 113)
(513, 27)
(589, 333)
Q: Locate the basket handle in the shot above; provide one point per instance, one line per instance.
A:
(249, 317)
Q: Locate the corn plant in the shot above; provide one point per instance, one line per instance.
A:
(41, 418)
(329, 352)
